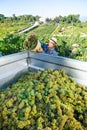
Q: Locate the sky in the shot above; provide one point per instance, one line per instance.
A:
(43, 8)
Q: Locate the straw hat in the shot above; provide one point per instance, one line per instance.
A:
(53, 39)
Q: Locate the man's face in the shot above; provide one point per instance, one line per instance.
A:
(51, 44)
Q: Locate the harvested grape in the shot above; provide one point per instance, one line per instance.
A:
(44, 100)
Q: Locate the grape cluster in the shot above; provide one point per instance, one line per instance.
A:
(31, 42)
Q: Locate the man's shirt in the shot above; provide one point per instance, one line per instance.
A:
(46, 50)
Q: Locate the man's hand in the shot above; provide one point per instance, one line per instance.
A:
(40, 50)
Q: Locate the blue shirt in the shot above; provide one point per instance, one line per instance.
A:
(46, 50)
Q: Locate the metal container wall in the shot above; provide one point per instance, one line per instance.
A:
(11, 67)
(15, 65)
(74, 68)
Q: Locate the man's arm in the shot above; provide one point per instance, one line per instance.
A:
(44, 46)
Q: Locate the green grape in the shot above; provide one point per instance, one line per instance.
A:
(44, 100)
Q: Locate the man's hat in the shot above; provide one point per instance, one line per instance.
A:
(53, 39)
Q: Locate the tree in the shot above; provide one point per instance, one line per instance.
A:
(2, 17)
(47, 20)
(72, 18)
(56, 19)
(14, 17)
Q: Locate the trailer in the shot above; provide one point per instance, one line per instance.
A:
(14, 65)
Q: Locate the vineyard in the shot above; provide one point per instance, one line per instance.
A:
(67, 34)
(50, 98)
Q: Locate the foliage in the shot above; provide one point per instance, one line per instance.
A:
(67, 36)
(68, 30)
(67, 19)
(2, 18)
(15, 23)
(65, 47)
(44, 32)
(11, 44)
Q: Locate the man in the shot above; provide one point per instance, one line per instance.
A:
(32, 43)
(50, 47)
(74, 48)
